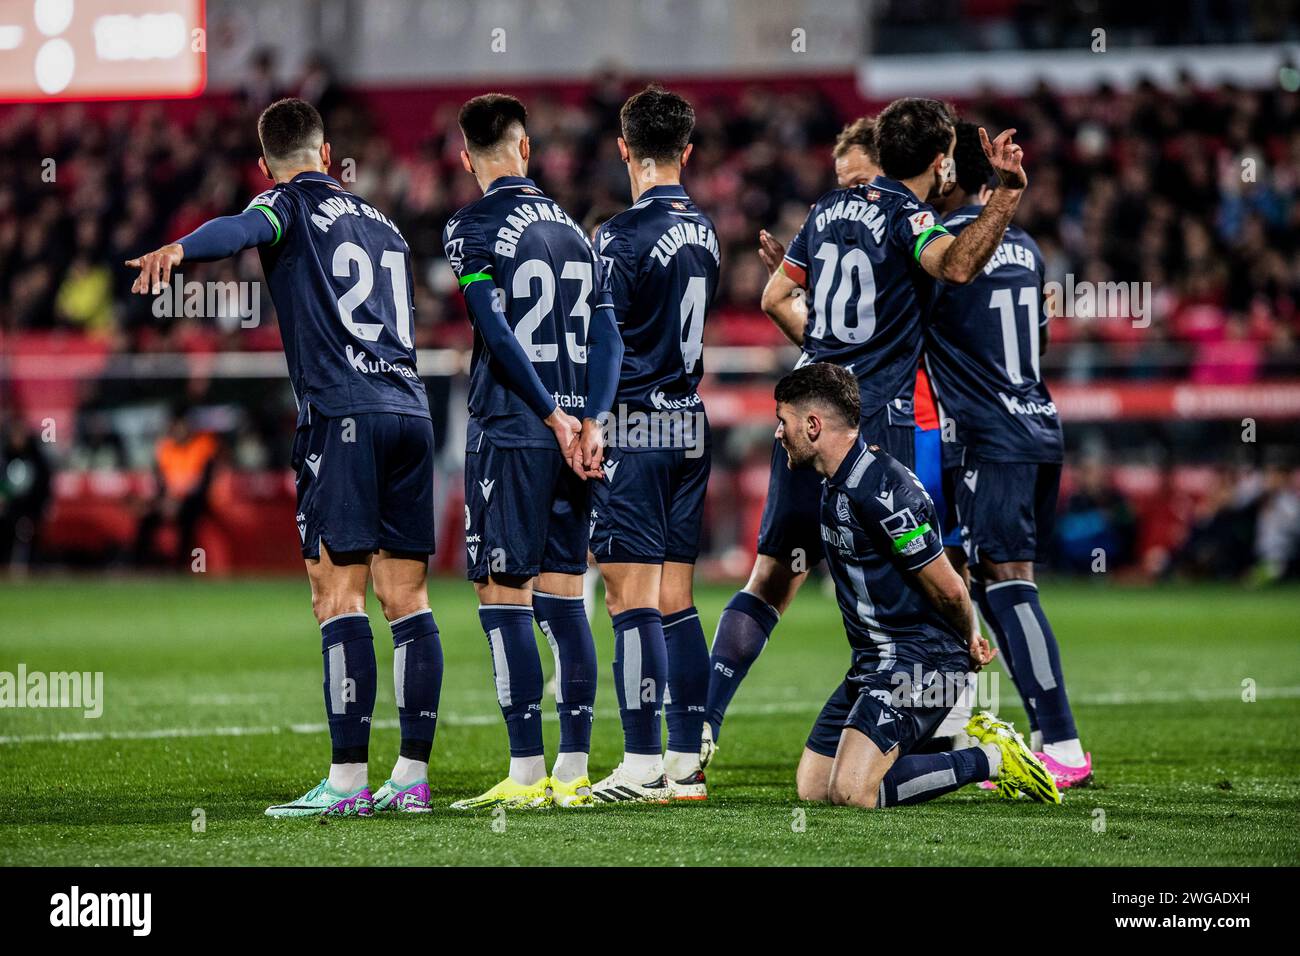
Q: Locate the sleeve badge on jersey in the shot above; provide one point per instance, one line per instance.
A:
(873, 195)
(455, 253)
(921, 221)
(899, 526)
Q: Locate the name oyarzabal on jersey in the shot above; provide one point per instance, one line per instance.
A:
(858, 253)
(339, 275)
(983, 346)
(660, 260)
(547, 276)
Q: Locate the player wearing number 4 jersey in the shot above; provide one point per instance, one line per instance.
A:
(869, 254)
(546, 355)
(982, 348)
(339, 275)
(661, 257)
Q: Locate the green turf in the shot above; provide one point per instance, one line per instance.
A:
(1187, 772)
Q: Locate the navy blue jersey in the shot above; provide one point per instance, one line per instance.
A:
(339, 272)
(982, 348)
(878, 526)
(546, 275)
(661, 260)
(859, 252)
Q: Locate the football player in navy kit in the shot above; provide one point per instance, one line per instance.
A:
(339, 274)
(983, 344)
(546, 357)
(907, 616)
(661, 257)
(870, 254)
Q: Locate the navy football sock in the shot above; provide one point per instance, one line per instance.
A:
(417, 681)
(743, 629)
(1036, 660)
(349, 652)
(518, 672)
(688, 680)
(915, 778)
(564, 622)
(640, 671)
(1005, 646)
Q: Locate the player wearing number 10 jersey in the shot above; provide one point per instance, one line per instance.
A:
(339, 274)
(546, 354)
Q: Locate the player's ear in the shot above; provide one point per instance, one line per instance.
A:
(266, 170)
(524, 148)
(325, 156)
(686, 153)
(464, 161)
(622, 150)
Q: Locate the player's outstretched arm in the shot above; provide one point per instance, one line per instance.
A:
(959, 260)
(216, 239)
(489, 320)
(784, 305)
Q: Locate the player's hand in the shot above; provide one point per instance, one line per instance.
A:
(980, 651)
(566, 429)
(1005, 157)
(589, 450)
(770, 251)
(155, 268)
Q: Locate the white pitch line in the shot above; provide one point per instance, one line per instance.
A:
(1118, 698)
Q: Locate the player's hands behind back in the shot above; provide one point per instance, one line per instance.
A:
(1005, 157)
(566, 430)
(589, 450)
(155, 268)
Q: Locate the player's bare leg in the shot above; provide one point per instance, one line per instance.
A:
(742, 633)
(1009, 601)
(640, 676)
(338, 598)
(863, 776)
(400, 585)
(813, 777)
(951, 733)
(686, 699)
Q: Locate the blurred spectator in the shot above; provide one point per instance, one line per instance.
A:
(1097, 522)
(183, 463)
(25, 481)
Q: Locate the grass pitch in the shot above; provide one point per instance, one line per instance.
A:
(213, 710)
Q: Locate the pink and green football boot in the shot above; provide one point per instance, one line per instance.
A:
(321, 801)
(412, 798)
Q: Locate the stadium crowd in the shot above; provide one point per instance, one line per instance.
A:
(1195, 191)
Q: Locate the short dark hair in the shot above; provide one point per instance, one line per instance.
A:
(909, 133)
(833, 385)
(973, 167)
(657, 124)
(485, 120)
(288, 126)
(862, 133)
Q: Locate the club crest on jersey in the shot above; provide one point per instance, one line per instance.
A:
(842, 508)
(921, 221)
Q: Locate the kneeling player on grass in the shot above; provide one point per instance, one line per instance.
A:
(907, 615)
(363, 450)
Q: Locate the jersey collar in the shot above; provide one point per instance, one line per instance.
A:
(509, 182)
(894, 186)
(850, 460)
(669, 191)
(319, 177)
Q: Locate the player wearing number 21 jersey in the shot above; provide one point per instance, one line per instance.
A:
(340, 277)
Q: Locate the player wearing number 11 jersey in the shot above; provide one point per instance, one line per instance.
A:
(339, 274)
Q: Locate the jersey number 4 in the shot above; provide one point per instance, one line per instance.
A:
(349, 254)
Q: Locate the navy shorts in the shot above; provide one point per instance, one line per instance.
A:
(525, 512)
(1007, 510)
(871, 702)
(365, 482)
(790, 530)
(650, 507)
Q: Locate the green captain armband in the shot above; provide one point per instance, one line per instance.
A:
(473, 277)
(925, 237)
(274, 220)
